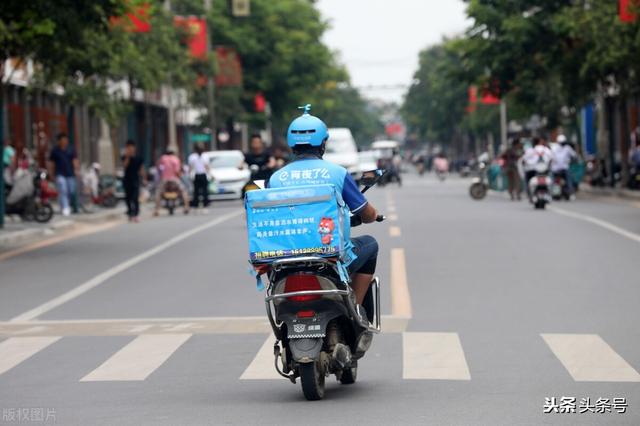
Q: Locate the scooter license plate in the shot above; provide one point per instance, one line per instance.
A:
(303, 328)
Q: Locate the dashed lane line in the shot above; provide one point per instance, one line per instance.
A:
(115, 270)
(394, 231)
(400, 295)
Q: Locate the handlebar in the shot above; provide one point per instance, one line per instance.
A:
(357, 220)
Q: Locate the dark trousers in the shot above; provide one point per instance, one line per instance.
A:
(365, 248)
(132, 198)
(527, 177)
(200, 190)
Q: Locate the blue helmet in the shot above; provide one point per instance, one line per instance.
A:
(307, 130)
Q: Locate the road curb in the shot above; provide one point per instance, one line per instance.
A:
(15, 238)
(611, 192)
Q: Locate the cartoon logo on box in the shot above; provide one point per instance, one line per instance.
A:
(326, 228)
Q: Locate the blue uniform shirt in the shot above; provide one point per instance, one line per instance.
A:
(314, 171)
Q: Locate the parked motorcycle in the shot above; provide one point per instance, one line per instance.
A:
(540, 186)
(29, 197)
(319, 328)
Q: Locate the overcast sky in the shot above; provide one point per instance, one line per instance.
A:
(379, 40)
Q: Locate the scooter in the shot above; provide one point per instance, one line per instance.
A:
(540, 186)
(319, 328)
(559, 189)
(171, 196)
(30, 197)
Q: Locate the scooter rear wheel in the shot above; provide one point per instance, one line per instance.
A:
(350, 374)
(312, 380)
(43, 213)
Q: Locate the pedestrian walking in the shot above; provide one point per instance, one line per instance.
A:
(199, 166)
(63, 166)
(134, 173)
(510, 159)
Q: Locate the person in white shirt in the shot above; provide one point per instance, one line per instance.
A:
(535, 158)
(199, 165)
(563, 155)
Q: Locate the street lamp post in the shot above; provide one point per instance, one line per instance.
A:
(211, 85)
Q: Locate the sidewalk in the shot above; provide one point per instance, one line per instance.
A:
(17, 232)
(610, 192)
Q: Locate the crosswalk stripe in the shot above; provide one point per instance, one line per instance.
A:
(137, 360)
(17, 349)
(433, 356)
(262, 367)
(588, 358)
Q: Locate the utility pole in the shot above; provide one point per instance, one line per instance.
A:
(211, 86)
(503, 123)
(171, 122)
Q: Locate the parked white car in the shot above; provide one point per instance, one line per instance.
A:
(342, 149)
(368, 160)
(228, 174)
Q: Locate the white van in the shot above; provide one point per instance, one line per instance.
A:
(342, 150)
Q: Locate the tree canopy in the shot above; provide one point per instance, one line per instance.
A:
(546, 57)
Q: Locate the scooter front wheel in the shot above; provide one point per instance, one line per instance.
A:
(312, 380)
(478, 191)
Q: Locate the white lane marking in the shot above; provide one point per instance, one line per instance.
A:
(32, 330)
(588, 358)
(137, 360)
(104, 276)
(599, 222)
(262, 367)
(393, 217)
(128, 327)
(391, 208)
(136, 329)
(433, 356)
(17, 349)
(394, 231)
(400, 296)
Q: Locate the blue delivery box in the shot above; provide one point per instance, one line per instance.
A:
(296, 221)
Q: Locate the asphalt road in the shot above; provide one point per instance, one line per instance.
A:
(160, 323)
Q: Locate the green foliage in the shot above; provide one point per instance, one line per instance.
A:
(280, 47)
(435, 104)
(546, 57)
(283, 57)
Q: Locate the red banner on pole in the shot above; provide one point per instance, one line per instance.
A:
(229, 67)
(627, 9)
(195, 33)
(260, 102)
(136, 21)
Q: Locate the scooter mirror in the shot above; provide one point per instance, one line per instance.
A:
(371, 177)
